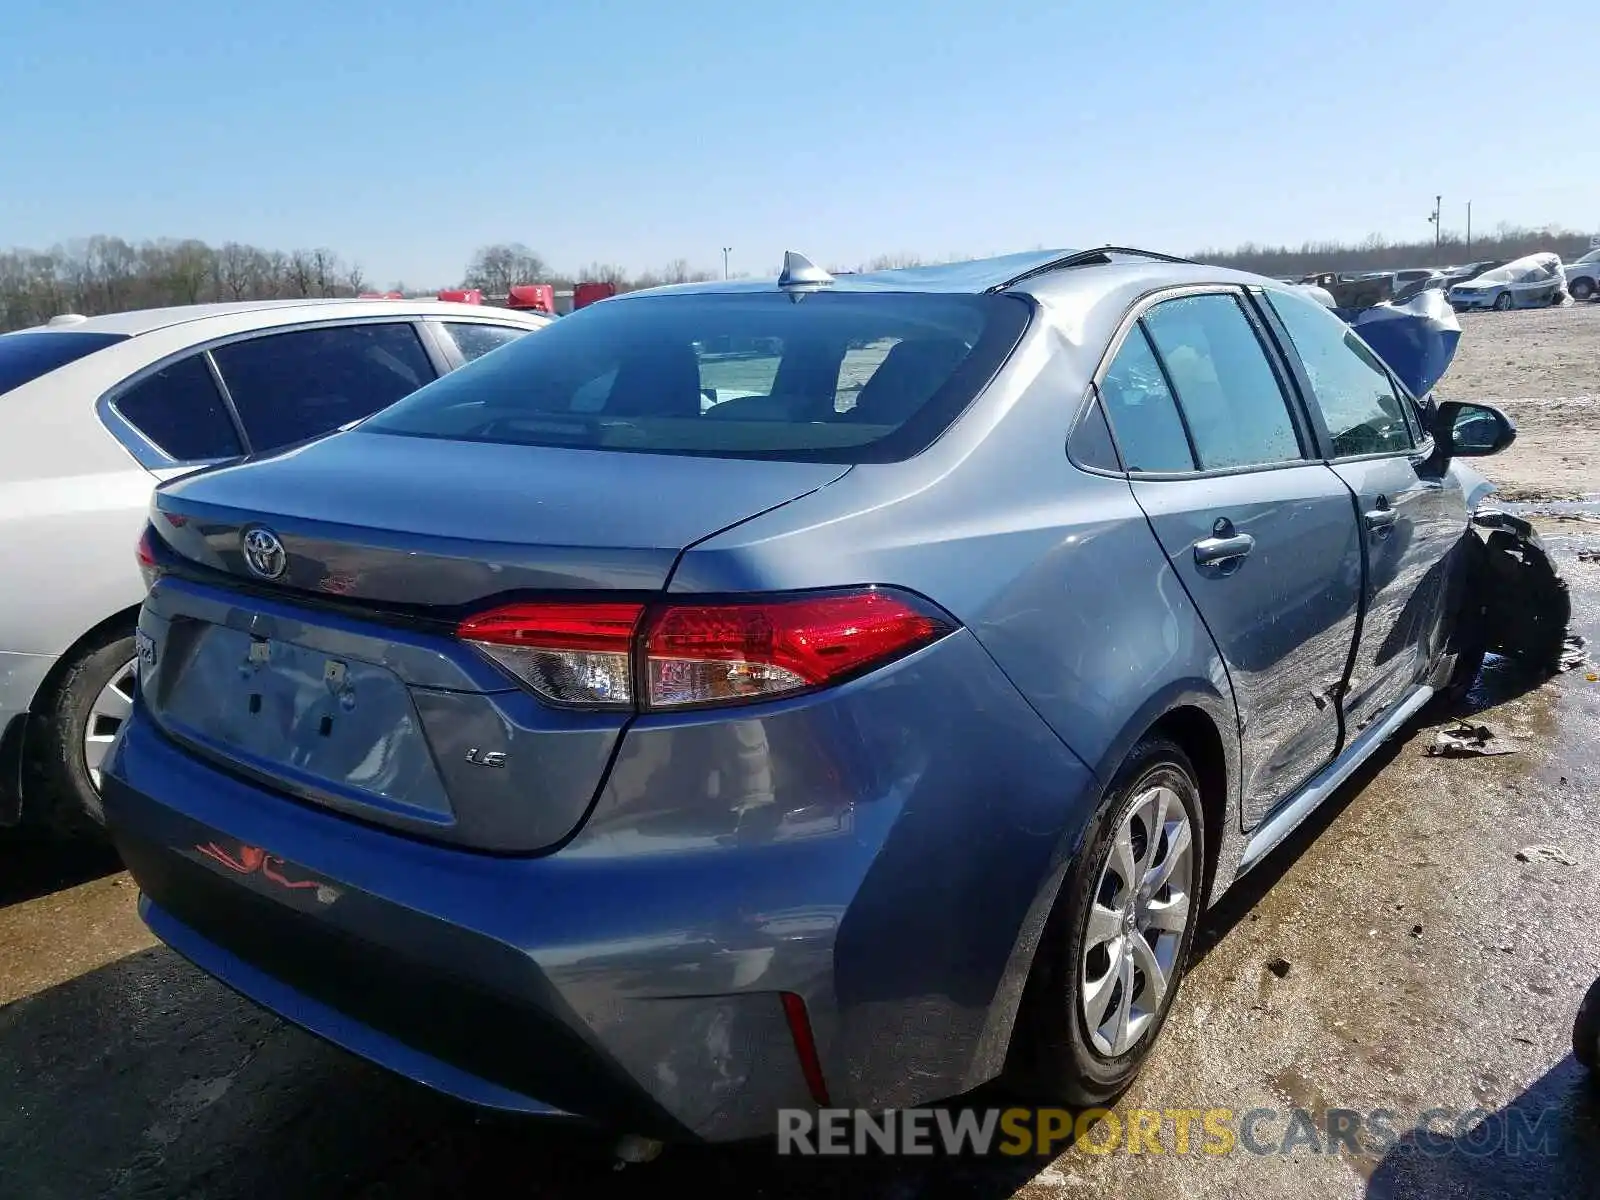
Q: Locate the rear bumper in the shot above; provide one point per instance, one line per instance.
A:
(636, 977)
(21, 676)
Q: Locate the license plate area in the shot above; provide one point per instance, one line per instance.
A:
(281, 708)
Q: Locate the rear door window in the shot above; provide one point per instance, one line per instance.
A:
(1142, 411)
(1236, 408)
(834, 377)
(27, 355)
(1363, 412)
(475, 340)
(288, 387)
(180, 410)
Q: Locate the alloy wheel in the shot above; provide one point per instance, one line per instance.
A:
(1137, 920)
(106, 715)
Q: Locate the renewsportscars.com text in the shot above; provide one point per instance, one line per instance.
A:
(1210, 1131)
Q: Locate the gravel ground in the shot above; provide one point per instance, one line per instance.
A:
(1397, 954)
(1542, 366)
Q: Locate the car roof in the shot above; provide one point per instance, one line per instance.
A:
(270, 312)
(1034, 272)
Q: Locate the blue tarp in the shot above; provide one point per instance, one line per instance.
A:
(1417, 339)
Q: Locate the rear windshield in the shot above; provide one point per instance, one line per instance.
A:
(26, 356)
(824, 377)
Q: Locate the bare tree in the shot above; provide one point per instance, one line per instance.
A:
(496, 269)
(238, 271)
(300, 273)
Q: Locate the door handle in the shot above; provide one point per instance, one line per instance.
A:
(1381, 519)
(1213, 550)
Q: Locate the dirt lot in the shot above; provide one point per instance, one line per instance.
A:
(1397, 954)
(1542, 366)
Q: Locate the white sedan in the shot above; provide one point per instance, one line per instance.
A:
(93, 412)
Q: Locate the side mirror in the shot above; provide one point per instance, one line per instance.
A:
(1471, 430)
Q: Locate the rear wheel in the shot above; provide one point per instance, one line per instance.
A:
(80, 721)
(1117, 945)
(1502, 302)
(1581, 289)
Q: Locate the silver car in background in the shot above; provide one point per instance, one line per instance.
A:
(1531, 282)
(95, 411)
(1583, 276)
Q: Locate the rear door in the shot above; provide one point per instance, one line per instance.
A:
(1411, 517)
(1263, 538)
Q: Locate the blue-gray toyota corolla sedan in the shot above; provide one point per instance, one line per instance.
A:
(768, 694)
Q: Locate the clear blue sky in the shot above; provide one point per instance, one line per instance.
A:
(407, 132)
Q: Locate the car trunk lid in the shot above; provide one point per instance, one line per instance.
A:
(341, 682)
(429, 522)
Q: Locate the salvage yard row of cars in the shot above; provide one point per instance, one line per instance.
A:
(1533, 281)
(597, 728)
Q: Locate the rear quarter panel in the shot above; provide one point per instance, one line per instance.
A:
(72, 503)
(1054, 570)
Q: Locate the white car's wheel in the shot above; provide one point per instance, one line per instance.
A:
(75, 729)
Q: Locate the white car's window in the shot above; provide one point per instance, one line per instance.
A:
(475, 340)
(180, 410)
(288, 387)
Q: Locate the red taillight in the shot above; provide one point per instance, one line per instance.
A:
(704, 654)
(805, 1047)
(569, 653)
(148, 567)
(687, 655)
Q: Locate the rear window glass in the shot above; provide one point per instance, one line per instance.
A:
(835, 377)
(26, 356)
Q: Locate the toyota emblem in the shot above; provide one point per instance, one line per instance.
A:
(264, 553)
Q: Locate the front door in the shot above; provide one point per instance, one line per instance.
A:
(1263, 539)
(1409, 519)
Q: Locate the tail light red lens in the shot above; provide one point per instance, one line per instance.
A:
(148, 567)
(673, 656)
(579, 654)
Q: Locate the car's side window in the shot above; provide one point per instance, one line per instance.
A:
(288, 387)
(180, 410)
(475, 340)
(1143, 414)
(1235, 405)
(1090, 444)
(1364, 413)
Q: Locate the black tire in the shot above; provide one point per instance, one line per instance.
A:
(1053, 1057)
(1586, 1029)
(60, 793)
(1503, 302)
(1526, 604)
(1581, 289)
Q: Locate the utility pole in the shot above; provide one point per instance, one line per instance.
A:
(1469, 228)
(726, 250)
(1434, 220)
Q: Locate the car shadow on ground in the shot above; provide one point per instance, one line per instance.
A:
(147, 1078)
(1542, 1144)
(33, 865)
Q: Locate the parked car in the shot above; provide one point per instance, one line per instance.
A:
(1583, 276)
(93, 412)
(1470, 271)
(1530, 282)
(692, 764)
(1410, 284)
